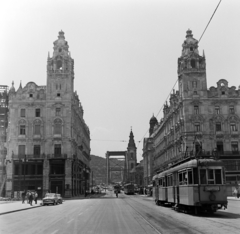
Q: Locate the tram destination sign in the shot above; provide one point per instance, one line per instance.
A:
(212, 188)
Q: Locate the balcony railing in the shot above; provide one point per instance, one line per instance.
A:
(38, 156)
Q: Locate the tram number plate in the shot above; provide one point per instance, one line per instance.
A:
(212, 188)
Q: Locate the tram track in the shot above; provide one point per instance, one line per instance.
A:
(168, 226)
(228, 227)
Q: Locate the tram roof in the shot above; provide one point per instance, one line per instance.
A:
(190, 164)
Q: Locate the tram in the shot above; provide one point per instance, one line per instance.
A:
(129, 188)
(193, 186)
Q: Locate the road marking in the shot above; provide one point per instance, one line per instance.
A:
(70, 221)
(54, 232)
(79, 214)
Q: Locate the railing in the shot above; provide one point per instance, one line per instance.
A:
(38, 156)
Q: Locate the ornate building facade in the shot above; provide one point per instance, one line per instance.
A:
(48, 141)
(199, 121)
(148, 151)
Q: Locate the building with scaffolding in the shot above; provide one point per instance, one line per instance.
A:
(199, 121)
(3, 128)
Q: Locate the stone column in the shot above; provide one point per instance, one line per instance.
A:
(46, 172)
(68, 178)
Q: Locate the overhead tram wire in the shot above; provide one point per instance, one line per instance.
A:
(209, 21)
(177, 79)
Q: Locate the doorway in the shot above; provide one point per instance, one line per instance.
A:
(57, 186)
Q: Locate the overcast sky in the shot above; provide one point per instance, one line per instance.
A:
(125, 55)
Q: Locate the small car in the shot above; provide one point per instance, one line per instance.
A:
(50, 198)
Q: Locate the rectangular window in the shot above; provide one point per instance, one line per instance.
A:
(23, 113)
(21, 150)
(16, 169)
(37, 129)
(233, 127)
(190, 177)
(203, 179)
(57, 149)
(37, 112)
(231, 109)
(220, 147)
(36, 150)
(22, 130)
(39, 169)
(194, 84)
(196, 110)
(58, 128)
(218, 127)
(234, 146)
(218, 176)
(217, 110)
(210, 176)
(197, 127)
(58, 111)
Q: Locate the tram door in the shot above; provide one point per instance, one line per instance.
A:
(174, 187)
(177, 188)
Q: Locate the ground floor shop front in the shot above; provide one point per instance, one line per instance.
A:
(67, 177)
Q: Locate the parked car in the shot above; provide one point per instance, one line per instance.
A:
(50, 198)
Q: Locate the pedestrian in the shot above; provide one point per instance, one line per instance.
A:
(30, 198)
(116, 193)
(35, 197)
(23, 196)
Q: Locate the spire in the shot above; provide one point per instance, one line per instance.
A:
(203, 54)
(48, 55)
(131, 143)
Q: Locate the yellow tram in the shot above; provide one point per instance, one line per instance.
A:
(192, 186)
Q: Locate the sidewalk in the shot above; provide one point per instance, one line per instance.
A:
(14, 206)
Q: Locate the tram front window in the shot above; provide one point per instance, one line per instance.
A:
(210, 176)
(218, 176)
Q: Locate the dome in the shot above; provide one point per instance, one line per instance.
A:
(153, 120)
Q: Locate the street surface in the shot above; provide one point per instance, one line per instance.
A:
(126, 214)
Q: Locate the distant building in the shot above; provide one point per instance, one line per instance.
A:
(198, 121)
(48, 141)
(3, 128)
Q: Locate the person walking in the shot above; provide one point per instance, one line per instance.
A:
(116, 193)
(30, 198)
(23, 196)
(35, 197)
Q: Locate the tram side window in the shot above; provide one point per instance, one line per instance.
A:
(154, 183)
(203, 179)
(218, 176)
(190, 177)
(195, 175)
(160, 182)
(170, 180)
(185, 179)
(180, 179)
(164, 182)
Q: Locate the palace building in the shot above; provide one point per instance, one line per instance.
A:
(48, 141)
(198, 121)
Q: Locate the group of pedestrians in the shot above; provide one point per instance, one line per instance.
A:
(30, 196)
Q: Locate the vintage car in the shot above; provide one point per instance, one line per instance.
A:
(50, 198)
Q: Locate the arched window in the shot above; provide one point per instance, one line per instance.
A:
(193, 64)
(57, 126)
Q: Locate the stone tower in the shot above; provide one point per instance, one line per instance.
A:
(153, 121)
(131, 154)
(191, 69)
